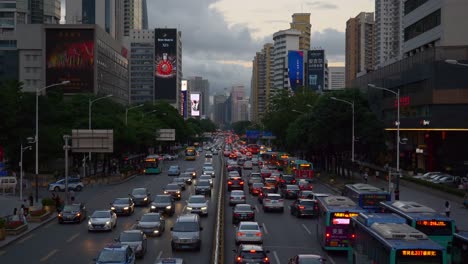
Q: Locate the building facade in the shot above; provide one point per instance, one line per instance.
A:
(239, 104)
(261, 83)
(141, 66)
(360, 45)
(133, 15)
(388, 31)
(284, 41)
(336, 78)
(301, 22)
(219, 109)
(144, 19)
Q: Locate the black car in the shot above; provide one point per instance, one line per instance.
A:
(251, 254)
(152, 224)
(235, 183)
(73, 213)
(243, 212)
(174, 190)
(123, 206)
(203, 187)
(141, 196)
(290, 191)
(163, 203)
(304, 207)
(286, 179)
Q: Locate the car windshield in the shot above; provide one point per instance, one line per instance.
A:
(130, 237)
(252, 255)
(203, 183)
(112, 256)
(257, 185)
(243, 207)
(162, 199)
(172, 187)
(248, 227)
(139, 192)
(100, 215)
(197, 200)
(186, 227)
(293, 187)
(71, 208)
(308, 203)
(150, 218)
(121, 201)
(205, 177)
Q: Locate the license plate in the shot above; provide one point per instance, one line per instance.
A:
(249, 235)
(334, 243)
(274, 201)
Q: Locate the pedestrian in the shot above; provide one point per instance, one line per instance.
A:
(21, 215)
(447, 208)
(31, 200)
(366, 176)
(15, 216)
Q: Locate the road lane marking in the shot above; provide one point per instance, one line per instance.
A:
(73, 237)
(183, 209)
(158, 257)
(256, 209)
(276, 257)
(25, 238)
(53, 252)
(331, 260)
(265, 229)
(307, 229)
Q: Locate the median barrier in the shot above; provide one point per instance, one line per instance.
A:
(218, 247)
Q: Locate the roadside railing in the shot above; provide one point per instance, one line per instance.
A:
(218, 247)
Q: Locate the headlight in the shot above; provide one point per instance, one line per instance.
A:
(89, 222)
(168, 207)
(108, 223)
(156, 231)
(165, 192)
(60, 215)
(189, 208)
(178, 192)
(146, 199)
(204, 208)
(112, 208)
(126, 208)
(153, 207)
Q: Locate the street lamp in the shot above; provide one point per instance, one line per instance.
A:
(397, 94)
(352, 133)
(143, 114)
(126, 112)
(23, 149)
(90, 105)
(36, 137)
(455, 62)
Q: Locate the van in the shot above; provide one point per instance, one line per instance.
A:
(186, 232)
(8, 182)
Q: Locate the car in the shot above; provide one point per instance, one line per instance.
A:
(235, 183)
(226, 153)
(246, 253)
(306, 258)
(240, 161)
(208, 170)
(304, 207)
(265, 173)
(208, 163)
(243, 212)
(305, 194)
(273, 201)
(163, 203)
(174, 170)
(116, 254)
(102, 220)
(254, 177)
(233, 156)
(249, 232)
(186, 232)
(206, 177)
(215, 152)
(151, 224)
(170, 261)
(286, 179)
(235, 168)
(427, 175)
(256, 188)
(174, 190)
(135, 239)
(141, 196)
(263, 192)
(203, 187)
(248, 165)
(179, 181)
(72, 213)
(254, 161)
(192, 171)
(315, 196)
(276, 175)
(290, 191)
(305, 184)
(236, 197)
(197, 204)
(208, 155)
(447, 179)
(272, 183)
(167, 157)
(187, 176)
(73, 184)
(123, 206)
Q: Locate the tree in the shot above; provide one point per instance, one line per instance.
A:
(241, 126)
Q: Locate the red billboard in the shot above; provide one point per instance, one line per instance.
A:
(70, 57)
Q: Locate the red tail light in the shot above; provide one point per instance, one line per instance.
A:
(238, 259)
(259, 234)
(283, 181)
(301, 207)
(240, 234)
(293, 181)
(266, 259)
(353, 236)
(327, 235)
(229, 182)
(236, 214)
(241, 183)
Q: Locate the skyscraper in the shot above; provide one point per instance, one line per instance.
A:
(133, 15)
(301, 22)
(239, 104)
(284, 40)
(360, 47)
(144, 14)
(261, 83)
(141, 43)
(388, 31)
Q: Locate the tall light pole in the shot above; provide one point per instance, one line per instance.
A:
(90, 105)
(36, 137)
(126, 112)
(352, 133)
(23, 149)
(397, 94)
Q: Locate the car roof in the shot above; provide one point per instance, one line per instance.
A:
(102, 211)
(116, 247)
(237, 192)
(197, 196)
(205, 176)
(142, 188)
(306, 200)
(273, 194)
(309, 256)
(187, 218)
(203, 180)
(131, 231)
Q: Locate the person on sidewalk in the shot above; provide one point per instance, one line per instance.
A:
(447, 208)
(366, 177)
(31, 200)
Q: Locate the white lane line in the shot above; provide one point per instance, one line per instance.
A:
(25, 238)
(265, 229)
(73, 237)
(256, 209)
(331, 260)
(53, 252)
(183, 209)
(307, 229)
(276, 257)
(159, 256)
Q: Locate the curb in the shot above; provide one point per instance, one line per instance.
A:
(52, 218)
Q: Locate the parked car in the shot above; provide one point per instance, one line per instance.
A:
(163, 203)
(116, 254)
(141, 196)
(135, 239)
(73, 213)
(123, 206)
(427, 175)
(102, 220)
(73, 184)
(174, 170)
(152, 224)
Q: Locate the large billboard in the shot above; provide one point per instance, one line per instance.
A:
(165, 59)
(316, 69)
(183, 104)
(195, 104)
(295, 68)
(70, 57)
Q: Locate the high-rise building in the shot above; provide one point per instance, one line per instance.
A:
(336, 78)
(200, 86)
(284, 40)
(144, 23)
(360, 45)
(45, 11)
(133, 15)
(239, 104)
(261, 83)
(301, 22)
(141, 44)
(219, 109)
(388, 31)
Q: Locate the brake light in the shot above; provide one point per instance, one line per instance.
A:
(327, 235)
(240, 234)
(242, 182)
(283, 181)
(253, 251)
(353, 236)
(259, 234)
(301, 207)
(293, 181)
(266, 259)
(230, 182)
(239, 259)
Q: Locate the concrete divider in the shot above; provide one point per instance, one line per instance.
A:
(218, 247)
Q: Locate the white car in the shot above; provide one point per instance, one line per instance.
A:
(209, 170)
(249, 232)
(73, 184)
(206, 177)
(102, 220)
(236, 197)
(197, 204)
(273, 201)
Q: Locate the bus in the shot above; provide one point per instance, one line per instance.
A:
(153, 164)
(190, 153)
(366, 196)
(436, 226)
(387, 239)
(303, 169)
(333, 224)
(460, 247)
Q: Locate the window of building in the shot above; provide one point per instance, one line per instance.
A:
(425, 24)
(411, 5)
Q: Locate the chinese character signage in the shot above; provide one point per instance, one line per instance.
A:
(70, 57)
(295, 68)
(183, 103)
(165, 59)
(316, 69)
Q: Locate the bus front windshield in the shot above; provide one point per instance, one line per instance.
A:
(151, 164)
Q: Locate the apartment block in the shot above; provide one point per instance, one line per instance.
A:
(301, 22)
(388, 31)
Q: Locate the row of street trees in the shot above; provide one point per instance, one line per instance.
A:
(58, 115)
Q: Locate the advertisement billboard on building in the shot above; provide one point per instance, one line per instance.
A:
(295, 68)
(316, 69)
(183, 104)
(195, 104)
(70, 57)
(165, 59)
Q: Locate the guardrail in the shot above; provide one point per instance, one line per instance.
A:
(218, 247)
